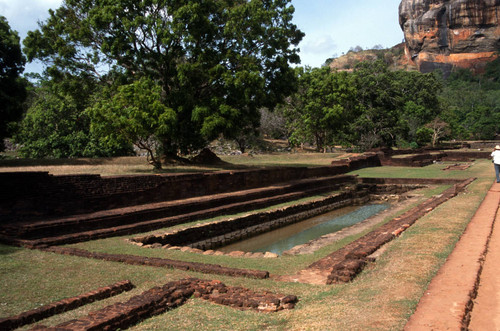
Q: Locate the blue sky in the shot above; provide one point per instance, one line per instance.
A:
(331, 26)
(334, 26)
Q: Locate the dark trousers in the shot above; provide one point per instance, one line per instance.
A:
(497, 172)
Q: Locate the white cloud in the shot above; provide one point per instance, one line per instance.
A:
(314, 50)
(23, 15)
(321, 44)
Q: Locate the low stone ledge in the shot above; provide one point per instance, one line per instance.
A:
(132, 220)
(162, 263)
(457, 166)
(409, 181)
(466, 156)
(174, 294)
(35, 315)
(36, 195)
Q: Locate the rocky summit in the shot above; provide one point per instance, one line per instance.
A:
(442, 34)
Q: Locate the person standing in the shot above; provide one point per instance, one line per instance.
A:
(496, 161)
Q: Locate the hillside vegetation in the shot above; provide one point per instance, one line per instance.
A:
(394, 57)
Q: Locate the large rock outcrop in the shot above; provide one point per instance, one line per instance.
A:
(447, 33)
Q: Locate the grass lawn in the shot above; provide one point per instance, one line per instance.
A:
(134, 165)
(382, 297)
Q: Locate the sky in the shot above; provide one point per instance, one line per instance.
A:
(332, 27)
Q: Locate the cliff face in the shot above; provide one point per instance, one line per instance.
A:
(446, 33)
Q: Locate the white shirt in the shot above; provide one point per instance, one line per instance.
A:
(496, 156)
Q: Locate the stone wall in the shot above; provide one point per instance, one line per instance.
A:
(39, 195)
(487, 145)
(411, 181)
(160, 262)
(353, 163)
(347, 262)
(424, 157)
(217, 234)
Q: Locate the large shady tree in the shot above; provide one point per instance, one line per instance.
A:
(322, 108)
(12, 86)
(393, 104)
(216, 61)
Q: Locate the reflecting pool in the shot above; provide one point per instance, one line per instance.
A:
(279, 240)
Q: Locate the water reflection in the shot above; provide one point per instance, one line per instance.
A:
(280, 240)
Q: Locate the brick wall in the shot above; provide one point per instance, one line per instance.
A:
(466, 156)
(36, 195)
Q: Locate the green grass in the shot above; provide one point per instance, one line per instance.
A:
(430, 171)
(382, 297)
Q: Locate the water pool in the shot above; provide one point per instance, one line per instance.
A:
(282, 239)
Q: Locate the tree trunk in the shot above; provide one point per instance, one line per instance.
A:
(241, 144)
(153, 160)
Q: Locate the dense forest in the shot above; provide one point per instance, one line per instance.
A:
(171, 76)
(373, 106)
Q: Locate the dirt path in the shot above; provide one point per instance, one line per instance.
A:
(447, 303)
(485, 313)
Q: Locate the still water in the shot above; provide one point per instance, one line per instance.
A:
(279, 240)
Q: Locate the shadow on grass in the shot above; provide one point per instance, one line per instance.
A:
(200, 168)
(6, 250)
(59, 162)
(139, 165)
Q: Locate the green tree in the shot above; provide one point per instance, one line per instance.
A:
(472, 103)
(217, 61)
(12, 86)
(394, 104)
(322, 108)
(378, 121)
(492, 71)
(56, 125)
(135, 113)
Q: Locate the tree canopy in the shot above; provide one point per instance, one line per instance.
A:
(12, 87)
(56, 124)
(472, 103)
(322, 108)
(393, 104)
(169, 76)
(135, 113)
(216, 61)
(372, 106)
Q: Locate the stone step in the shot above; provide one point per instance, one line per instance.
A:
(154, 216)
(130, 215)
(149, 225)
